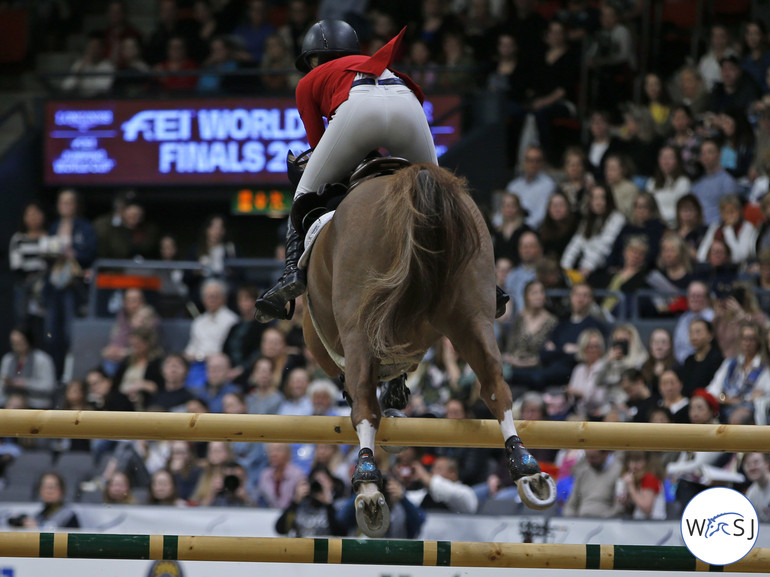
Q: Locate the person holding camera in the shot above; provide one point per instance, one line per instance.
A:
(311, 512)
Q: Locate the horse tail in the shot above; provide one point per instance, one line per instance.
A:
(430, 223)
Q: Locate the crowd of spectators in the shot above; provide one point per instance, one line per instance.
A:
(668, 193)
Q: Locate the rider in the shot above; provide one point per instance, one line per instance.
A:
(368, 106)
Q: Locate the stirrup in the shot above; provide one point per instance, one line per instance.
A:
(266, 310)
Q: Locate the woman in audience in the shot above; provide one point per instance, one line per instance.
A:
(641, 491)
(630, 278)
(645, 221)
(756, 57)
(505, 237)
(558, 226)
(669, 184)
(263, 398)
(738, 142)
(745, 376)
(218, 455)
(719, 272)
(586, 399)
(596, 234)
(530, 328)
(738, 304)
(739, 234)
(55, 514)
(617, 173)
(671, 397)
(273, 346)
(212, 250)
(117, 491)
(661, 357)
(27, 371)
(126, 319)
(625, 351)
(578, 180)
(674, 263)
(701, 366)
(763, 233)
(184, 468)
(26, 257)
(140, 375)
(689, 223)
(656, 99)
(685, 140)
(177, 60)
(163, 490)
(297, 401)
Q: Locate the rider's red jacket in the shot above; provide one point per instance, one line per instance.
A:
(327, 86)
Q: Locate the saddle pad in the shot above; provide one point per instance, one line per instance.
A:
(310, 237)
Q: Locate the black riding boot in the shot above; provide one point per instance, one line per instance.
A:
(272, 304)
(502, 299)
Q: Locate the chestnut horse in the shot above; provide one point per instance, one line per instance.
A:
(406, 259)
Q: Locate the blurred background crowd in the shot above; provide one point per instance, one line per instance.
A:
(633, 238)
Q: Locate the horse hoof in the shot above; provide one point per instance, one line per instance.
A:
(396, 414)
(372, 514)
(537, 491)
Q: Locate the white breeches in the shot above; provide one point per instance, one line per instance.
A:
(374, 116)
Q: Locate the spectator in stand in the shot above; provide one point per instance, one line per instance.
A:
(612, 58)
(689, 223)
(644, 222)
(184, 468)
(531, 327)
(756, 57)
(530, 252)
(102, 395)
(139, 376)
(596, 234)
(657, 101)
(640, 141)
(254, 30)
(640, 399)
(581, 19)
(422, 65)
(738, 142)
(691, 92)
(602, 142)
(218, 383)
(117, 31)
(458, 67)
(714, 184)
(559, 225)
(534, 187)
(297, 401)
(593, 491)
(173, 395)
(506, 235)
(27, 371)
(442, 487)
(698, 306)
(617, 173)
(172, 300)
(72, 250)
(661, 357)
(558, 353)
(625, 351)
(214, 68)
(311, 512)
(55, 514)
(671, 397)
(632, 276)
(673, 273)
(209, 331)
(274, 346)
(669, 184)
(584, 397)
(642, 494)
(163, 490)
(737, 304)
(117, 490)
(264, 398)
(761, 282)
(278, 57)
(92, 74)
(686, 142)
(300, 18)
(251, 456)
(744, 377)
(578, 180)
(756, 466)
(739, 234)
(134, 237)
(176, 60)
(133, 78)
(279, 480)
(701, 366)
(208, 28)
(168, 25)
(735, 89)
(763, 232)
(719, 271)
(128, 318)
(223, 481)
(720, 46)
(26, 258)
(212, 250)
(242, 342)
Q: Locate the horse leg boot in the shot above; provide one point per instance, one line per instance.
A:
(272, 304)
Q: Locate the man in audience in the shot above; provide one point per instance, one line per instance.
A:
(640, 399)
(530, 252)
(441, 487)
(209, 331)
(715, 183)
(218, 382)
(593, 490)
(736, 90)
(698, 306)
(757, 469)
(534, 187)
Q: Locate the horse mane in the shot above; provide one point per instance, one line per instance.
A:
(431, 229)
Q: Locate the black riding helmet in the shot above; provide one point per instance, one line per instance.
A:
(329, 39)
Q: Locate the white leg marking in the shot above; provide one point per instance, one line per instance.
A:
(506, 425)
(366, 433)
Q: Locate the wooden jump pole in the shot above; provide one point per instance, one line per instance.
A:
(365, 552)
(400, 432)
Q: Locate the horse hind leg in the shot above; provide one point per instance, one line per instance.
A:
(477, 345)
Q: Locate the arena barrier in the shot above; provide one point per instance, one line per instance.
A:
(400, 432)
(366, 552)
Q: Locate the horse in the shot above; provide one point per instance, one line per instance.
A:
(405, 259)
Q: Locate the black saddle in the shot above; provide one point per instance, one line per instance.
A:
(310, 207)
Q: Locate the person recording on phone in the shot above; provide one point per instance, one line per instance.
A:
(626, 351)
(311, 512)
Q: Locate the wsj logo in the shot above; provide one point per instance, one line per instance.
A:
(719, 526)
(730, 524)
